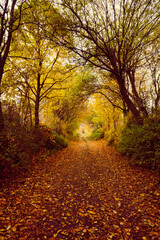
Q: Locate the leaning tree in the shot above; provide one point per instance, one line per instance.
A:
(111, 35)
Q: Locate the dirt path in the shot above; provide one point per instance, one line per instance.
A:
(86, 191)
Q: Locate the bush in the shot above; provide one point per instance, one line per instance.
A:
(49, 140)
(97, 134)
(19, 143)
(60, 141)
(142, 143)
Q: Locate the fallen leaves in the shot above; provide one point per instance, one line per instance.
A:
(55, 235)
(86, 191)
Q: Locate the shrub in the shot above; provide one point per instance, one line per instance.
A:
(142, 143)
(97, 134)
(19, 143)
(60, 141)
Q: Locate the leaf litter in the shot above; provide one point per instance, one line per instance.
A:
(86, 191)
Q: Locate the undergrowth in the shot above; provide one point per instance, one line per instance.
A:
(141, 143)
(19, 143)
(96, 135)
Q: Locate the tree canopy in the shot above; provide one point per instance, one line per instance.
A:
(46, 45)
(113, 36)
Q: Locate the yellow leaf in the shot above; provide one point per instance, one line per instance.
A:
(157, 193)
(55, 235)
(142, 194)
(68, 214)
(9, 226)
(14, 229)
(127, 231)
(91, 212)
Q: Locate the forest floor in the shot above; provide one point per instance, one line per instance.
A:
(86, 191)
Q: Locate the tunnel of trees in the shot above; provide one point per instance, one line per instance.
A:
(79, 69)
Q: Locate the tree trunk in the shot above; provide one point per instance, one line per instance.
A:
(30, 111)
(1, 113)
(1, 118)
(137, 98)
(157, 99)
(131, 106)
(37, 101)
(37, 114)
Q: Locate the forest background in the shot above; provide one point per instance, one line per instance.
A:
(79, 69)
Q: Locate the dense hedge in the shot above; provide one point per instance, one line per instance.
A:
(142, 143)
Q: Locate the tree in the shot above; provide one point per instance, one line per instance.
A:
(112, 36)
(10, 13)
(37, 61)
(153, 66)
